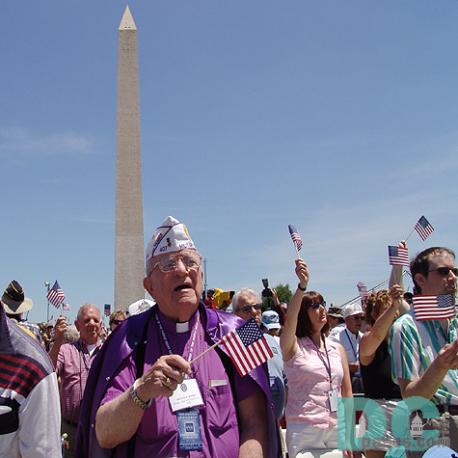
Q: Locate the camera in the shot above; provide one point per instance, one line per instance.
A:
(266, 292)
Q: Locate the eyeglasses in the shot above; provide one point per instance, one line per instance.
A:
(357, 317)
(444, 271)
(116, 322)
(170, 263)
(247, 308)
(316, 305)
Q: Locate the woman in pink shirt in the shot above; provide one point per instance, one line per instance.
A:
(316, 369)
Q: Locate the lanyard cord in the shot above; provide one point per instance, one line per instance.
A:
(326, 366)
(351, 343)
(166, 341)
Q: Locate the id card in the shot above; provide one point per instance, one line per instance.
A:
(186, 396)
(189, 436)
(333, 396)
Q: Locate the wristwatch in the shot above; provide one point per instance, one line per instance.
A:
(300, 287)
(134, 396)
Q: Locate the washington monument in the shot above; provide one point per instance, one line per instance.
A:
(129, 238)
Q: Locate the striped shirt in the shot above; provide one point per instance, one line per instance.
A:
(414, 345)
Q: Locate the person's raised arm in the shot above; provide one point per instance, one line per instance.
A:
(288, 336)
(427, 385)
(59, 331)
(118, 420)
(373, 338)
(396, 278)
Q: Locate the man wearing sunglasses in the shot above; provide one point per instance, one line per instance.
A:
(147, 395)
(349, 337)
(424, 354)
(247, 304)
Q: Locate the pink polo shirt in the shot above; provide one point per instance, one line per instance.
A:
(308, 384)
(73, 364)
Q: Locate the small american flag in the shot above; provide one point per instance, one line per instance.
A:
(398, 256)
(296, 237)
(247, 347)
(55, 295)
(424, 228)
(107, 309)
(434, 307)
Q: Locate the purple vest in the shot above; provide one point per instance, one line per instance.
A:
(121, 345)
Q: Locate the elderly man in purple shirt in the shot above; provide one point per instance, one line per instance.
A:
(147, 397)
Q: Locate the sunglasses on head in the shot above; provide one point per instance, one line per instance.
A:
(247, 308)
(444, 271)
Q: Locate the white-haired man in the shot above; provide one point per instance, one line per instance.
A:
(349, 337)
(149, 398)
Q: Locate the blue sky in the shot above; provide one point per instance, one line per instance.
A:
(340, 117)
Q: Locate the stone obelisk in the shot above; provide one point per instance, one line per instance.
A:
(129, 238)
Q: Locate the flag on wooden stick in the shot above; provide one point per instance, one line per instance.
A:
(398, 256)
(56, 295)
(424, 228)
(247, 347)
(295, 237)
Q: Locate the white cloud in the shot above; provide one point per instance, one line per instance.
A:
(19, 140)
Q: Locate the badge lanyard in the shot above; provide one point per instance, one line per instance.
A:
(326, 366)
(166, 341)
(351, 343)
(188, 416)
(332, 395)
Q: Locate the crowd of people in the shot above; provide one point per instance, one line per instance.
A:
(159, 383)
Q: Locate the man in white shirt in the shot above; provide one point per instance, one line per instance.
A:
(349, 337)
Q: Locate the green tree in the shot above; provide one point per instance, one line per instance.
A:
(284, 293)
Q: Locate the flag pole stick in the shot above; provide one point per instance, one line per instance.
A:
(205, 351)
(411, 232)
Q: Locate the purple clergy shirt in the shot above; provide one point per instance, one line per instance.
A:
(157, 434)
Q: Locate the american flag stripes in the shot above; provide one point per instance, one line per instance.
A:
(56, 295)
(424, 228)
(398, 256)
(247, 347)
(434, 307)
(296, 237)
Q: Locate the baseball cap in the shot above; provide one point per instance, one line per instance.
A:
(270, 320)
(352, 309)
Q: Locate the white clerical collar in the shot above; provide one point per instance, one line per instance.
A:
(182, 327)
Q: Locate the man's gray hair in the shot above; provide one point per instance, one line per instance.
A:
(243, 293)
(84, 307)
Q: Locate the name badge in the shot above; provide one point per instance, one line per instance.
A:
(333, 396)
(186, 396)
(189, 436)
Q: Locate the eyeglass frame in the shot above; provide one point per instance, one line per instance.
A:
(357, 317)
(442, 273)
(177, 256)
(248, 307)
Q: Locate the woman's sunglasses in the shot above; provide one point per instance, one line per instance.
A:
(316, 305)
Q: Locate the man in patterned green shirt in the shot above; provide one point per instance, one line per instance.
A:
(424, 354)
